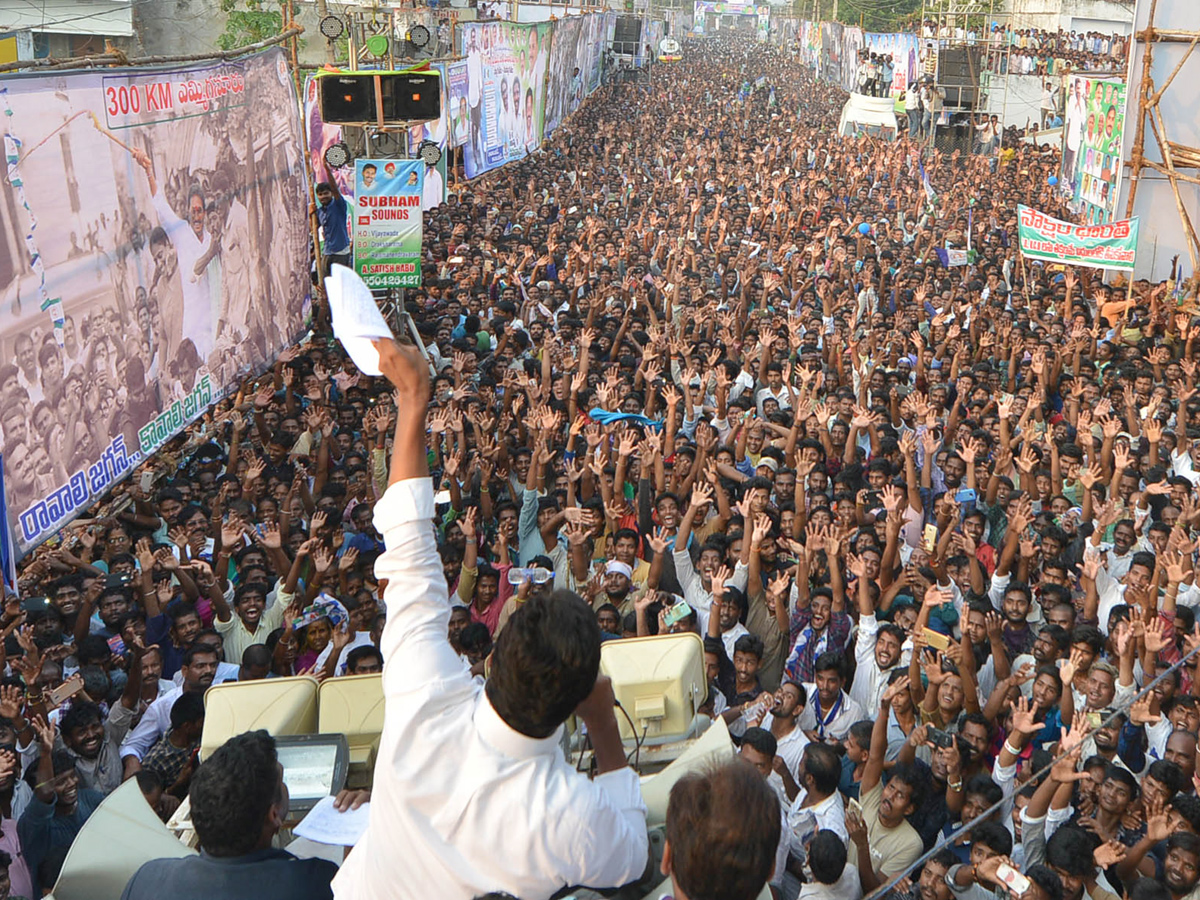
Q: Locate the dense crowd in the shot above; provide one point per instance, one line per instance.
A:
(1034, 51)
(698, 362)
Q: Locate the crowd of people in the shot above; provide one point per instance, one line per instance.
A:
(1033, 51)
(701, 365)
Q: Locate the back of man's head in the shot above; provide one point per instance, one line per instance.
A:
(233, 794)
(705, 857)
(827, 856)
(544, 663)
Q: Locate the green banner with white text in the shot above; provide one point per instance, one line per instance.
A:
(1111, 246)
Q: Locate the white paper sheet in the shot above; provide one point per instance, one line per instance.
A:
(356, 317)
(326, 825)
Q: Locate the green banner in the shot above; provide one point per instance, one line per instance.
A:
(387, 221)
(1111, 246)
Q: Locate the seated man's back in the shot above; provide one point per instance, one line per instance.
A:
(238, 803)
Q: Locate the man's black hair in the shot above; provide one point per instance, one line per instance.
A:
(761, 740)
(1070, 849)
(232, 793)
(831, 660)
(822, 763)
(1148, 889)
(358, 654)
(81, 714)
(751, 644)
(994, 836)
(544, 663)
(827, 856)
(1168, 774)
(188, 708)
(1047, 879)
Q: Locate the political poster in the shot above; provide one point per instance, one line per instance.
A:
(387, 221)
(456, 97)
(565, 84)
(904, 49)
(1106, 246)
(506, 78)
(436, 131)
(1091, 162)
(154, 250)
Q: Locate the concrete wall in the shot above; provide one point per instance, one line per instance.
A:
(1051, 15)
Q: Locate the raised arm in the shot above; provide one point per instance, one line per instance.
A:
(418, 609)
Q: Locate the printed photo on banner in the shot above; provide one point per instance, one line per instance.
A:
(456, 97)
(437, 132)
(506, 76)
(1091, 162)
(157, 253)
(387, 221)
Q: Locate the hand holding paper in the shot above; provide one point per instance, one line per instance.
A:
(356, 318)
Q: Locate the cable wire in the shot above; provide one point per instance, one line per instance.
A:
(963, 829)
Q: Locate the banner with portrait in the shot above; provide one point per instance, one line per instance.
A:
(387, 221)
(905, 51)
(506, 79)
(1091, 160)
(437, 131)
(456, 98)
(154, 250)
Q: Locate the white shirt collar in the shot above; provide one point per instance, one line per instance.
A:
(503, 738)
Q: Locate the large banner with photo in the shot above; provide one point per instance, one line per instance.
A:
(1091, 161)
(576, 55)
(438, 131)
(905, 51)
(154, 251)
(506, 78)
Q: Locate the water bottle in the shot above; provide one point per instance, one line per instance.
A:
(536, 574)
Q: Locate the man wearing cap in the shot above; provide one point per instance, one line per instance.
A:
(618, 587)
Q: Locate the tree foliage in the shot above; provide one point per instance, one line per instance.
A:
(249, 21)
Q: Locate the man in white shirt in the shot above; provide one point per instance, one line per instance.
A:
(1076, 117)
(198, 669)
(830, 711)
(190, 240)
(789, 737)
(818, 806)
(833, 877)
(433, 190)
(471, 780)
(758, 749)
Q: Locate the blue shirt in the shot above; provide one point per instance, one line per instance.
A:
(262, 875)
(333, 224)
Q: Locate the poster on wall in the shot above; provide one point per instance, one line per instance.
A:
(154, 250)
(506, 77)
(1091, 161)
(387, 221)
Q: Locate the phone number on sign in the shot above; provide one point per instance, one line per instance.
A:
(393, 280)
